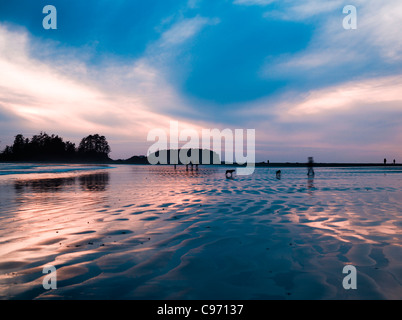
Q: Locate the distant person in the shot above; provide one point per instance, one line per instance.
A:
(385, 162)
(278, 174)
(310, 165)
(394, 162)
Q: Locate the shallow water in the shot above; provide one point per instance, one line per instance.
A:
(150, 232)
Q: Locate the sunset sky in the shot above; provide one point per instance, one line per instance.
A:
(287, 69)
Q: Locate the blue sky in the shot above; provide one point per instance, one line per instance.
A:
(285, 68)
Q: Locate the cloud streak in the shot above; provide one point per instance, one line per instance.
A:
(116, 100)
(287, 69)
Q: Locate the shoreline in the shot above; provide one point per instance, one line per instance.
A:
(258, 164)
(290, 164)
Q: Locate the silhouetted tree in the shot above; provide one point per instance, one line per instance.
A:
(94, 147)
(7, 153)
(70, 149)
(20, 147)
(41, 147)
(44, 147)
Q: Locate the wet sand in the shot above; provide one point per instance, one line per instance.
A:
(145, 232)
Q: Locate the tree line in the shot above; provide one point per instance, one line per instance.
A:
(44, 147)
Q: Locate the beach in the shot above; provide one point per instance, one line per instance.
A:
(152, 232)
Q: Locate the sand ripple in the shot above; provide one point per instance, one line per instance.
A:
(138, 232)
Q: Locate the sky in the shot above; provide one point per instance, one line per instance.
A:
(287, 69)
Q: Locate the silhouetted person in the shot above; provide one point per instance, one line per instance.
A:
(394, 162)
(310, 165)
(278, 174)
(385, 162)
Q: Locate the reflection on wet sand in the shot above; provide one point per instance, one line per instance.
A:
(310, 185)
(43, 185)
(181, 171)
(160, 233)
(94, 182)
(88, 182)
